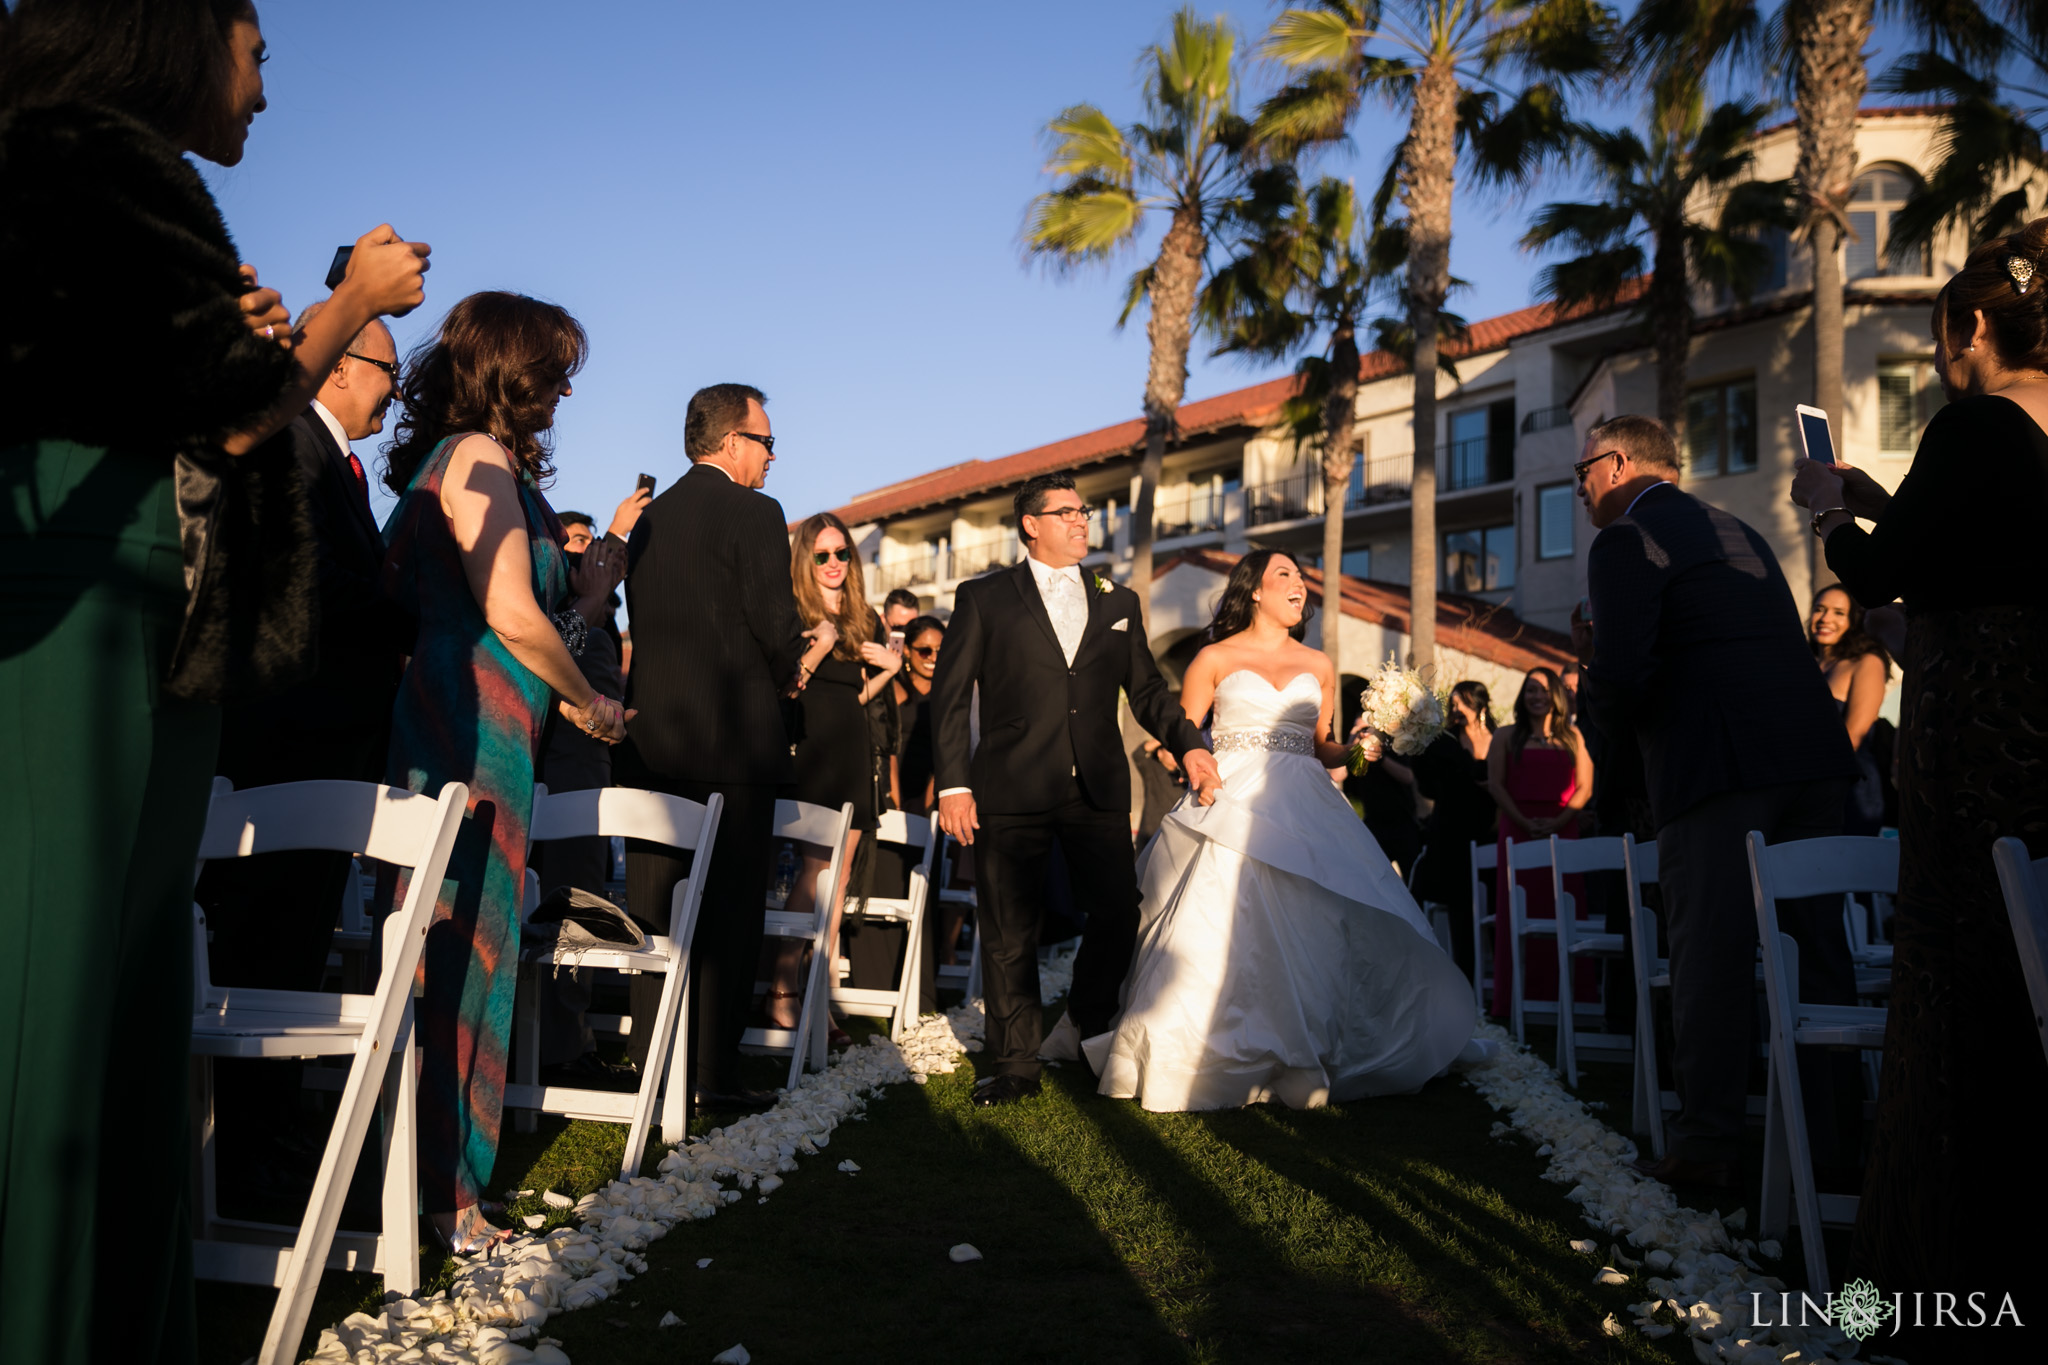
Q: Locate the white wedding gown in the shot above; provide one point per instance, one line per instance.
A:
(1279, 957)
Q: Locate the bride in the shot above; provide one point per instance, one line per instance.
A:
(1279, 956)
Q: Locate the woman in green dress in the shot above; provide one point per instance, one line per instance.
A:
(142, 370)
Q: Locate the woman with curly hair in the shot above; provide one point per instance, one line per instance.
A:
(1858, 671)
(475, 553)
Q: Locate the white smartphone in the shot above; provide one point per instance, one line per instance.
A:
(1814, 434)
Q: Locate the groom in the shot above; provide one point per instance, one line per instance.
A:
(1049, 646)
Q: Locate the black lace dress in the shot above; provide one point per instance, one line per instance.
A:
(1963, 1100)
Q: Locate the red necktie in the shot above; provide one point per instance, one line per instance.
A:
(355, 467)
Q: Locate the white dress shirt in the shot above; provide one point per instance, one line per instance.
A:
(333, 427)
(1639, 497)
(1066, 602)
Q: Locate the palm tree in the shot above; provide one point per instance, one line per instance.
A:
(1651, 215)
(1185, 162)
(1994, 78)
(1441, 61)
(1821, 41)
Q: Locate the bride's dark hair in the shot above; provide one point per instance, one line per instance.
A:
(1234, 607)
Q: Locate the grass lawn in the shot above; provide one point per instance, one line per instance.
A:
(1392, 1230)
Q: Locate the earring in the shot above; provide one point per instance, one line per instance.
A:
(1257, 598)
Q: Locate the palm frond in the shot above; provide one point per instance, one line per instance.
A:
(1317, 108)
(1083, 222)
(1085, 143)
(1581, 227)
(1396, 337)
(1570, 41)
(1595, 278)
(1513, 145)
(1983, 143)
(1326, 37)
(1135, 290)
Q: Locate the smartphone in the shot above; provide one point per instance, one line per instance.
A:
(1814, 434)
(338, 271)
(896, 640)
(647, 482)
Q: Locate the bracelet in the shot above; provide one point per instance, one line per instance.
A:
(575, 632)
(1826, 512)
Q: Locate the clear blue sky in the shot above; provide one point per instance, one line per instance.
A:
(820, 199)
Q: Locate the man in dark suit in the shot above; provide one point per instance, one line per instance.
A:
(1695, 643)
(1048, 648)
(716, 644)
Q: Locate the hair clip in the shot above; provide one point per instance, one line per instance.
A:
(2022, 271)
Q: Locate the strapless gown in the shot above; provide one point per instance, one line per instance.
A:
(1279, 956)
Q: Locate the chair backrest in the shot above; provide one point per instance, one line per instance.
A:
(1642, 865)
(625, 812)
(1485, 857)
(821, 825)
(2025, 882)
(1527, 854)
(1568, 856)
(912, 831)
(1824, 867)
(389, 824)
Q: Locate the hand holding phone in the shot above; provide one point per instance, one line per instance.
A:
(647, 482)
(896, 640)
(1815, 437)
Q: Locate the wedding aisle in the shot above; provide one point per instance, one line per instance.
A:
(1406, 1229)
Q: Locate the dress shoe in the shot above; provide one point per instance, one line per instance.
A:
(734, 1102)
(1005, 1090)
(1676, 1170)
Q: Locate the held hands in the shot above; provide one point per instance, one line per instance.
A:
(263, 310)
(1203, 779)
(603, 718)
(387, 272)
(957, 817)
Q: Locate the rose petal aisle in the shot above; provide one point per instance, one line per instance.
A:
(494, 1312)
(1699, 1270)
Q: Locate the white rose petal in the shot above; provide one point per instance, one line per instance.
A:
(962, 1254)
(732, 1355)
(669, 1320)
(556, 1201)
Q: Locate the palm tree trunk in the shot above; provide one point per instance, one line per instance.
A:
(1428, 165)
(1175, 277)
(1340, 425)
(1670, 306)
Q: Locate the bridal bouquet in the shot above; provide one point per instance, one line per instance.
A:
(1401, 708)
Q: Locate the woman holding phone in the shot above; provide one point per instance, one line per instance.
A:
(1963, 1099)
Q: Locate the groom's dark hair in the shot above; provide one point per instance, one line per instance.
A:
(1030, 501)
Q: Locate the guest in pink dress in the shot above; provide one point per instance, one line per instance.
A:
(1540, 778)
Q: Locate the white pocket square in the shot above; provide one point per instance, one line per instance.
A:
(1121, 623)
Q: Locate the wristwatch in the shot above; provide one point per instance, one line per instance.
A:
(1825, 512)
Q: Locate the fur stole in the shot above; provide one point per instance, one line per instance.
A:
(121, 327)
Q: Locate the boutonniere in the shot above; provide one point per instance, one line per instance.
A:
(1102, 585)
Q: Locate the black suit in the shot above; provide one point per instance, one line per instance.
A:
(716, 639)
(1699, 649)
(1050, 765)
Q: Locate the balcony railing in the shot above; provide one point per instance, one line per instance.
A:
(1373, 482)
(926, 568)
(1546, 419)
(969, 560)
(1187, 510)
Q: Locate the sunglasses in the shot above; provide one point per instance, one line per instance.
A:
(925, 651)
(767, 442)
(842, 554)
(1580, 470)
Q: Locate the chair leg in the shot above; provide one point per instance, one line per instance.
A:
(401, 1239)
(1773, 1209)
(659, 1041)
(528, 1024)
(675, 1091)
(1478, 961)
(1515, 987)
(1567, 1057)
(209, 1147)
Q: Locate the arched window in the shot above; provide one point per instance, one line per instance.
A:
(1878, 194)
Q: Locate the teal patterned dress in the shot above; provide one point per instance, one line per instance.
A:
(467, 712)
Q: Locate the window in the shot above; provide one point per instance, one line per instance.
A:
(1720, 429)
(1878, 195)
(1357, 564)
(1482, 445)
(1907, 395)
(1479, 560)
(1554, 521)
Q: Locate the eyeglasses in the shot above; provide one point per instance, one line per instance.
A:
(385, 365)
(1072, 516)
(842, 554)
(768, 442)
(925, 651)
(1583, 467)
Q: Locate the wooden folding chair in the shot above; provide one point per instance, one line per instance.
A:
(1652, 973)
(2025, 883)
(802, 823)
(1485, 858)
(674, 823)
(1807, 867)
(898, 1005)
(1578, 938)
(375, 1031)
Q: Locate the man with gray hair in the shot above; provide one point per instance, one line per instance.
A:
(1695, 644)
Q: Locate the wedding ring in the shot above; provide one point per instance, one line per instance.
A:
(270, 332)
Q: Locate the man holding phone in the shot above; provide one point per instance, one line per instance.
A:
(1694, 643)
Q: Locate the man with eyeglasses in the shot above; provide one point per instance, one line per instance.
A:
(1696, 645)
(1046, 647)
(717, 644)
(272, 918)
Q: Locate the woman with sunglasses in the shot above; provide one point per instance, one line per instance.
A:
(833, 744)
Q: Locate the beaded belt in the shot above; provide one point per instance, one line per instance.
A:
(1282, 741)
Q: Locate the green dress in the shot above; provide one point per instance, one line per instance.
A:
(104, 771)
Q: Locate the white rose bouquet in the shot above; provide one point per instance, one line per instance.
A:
(1398, 710)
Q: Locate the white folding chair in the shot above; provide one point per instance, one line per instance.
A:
(674, 823)
(376, 1031)
(968, 978)
(898, 1005)
(2025, 883)
(1485, 858)
(1523, 856)
(1807, 867)
(1581, 938)
(802, 823)
(1652, 973)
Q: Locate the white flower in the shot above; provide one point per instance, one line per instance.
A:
(962, 1254)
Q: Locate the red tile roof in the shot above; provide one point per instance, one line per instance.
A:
(1469, 625)
(1254, 406)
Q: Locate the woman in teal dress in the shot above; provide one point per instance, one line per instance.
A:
(140, 375)
(475, 552)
